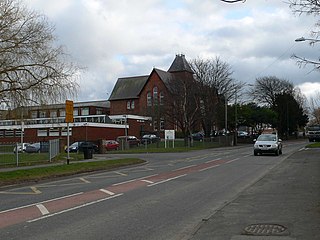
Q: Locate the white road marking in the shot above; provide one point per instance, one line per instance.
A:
(34, 204)
(74, 208)
(84, 180)
(204, 169)
(167, 180)
(107, 192)
(147, 181)
(184, 167)
(132, 180)
(213, 160)
(232, 160)
(43, 209)
(35, 190)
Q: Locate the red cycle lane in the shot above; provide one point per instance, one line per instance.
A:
(51, 207)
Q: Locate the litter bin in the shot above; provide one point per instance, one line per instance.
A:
(87, 149)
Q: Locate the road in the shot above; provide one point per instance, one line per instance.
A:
(167, 198)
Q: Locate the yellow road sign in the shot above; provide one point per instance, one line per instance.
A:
(69, 111)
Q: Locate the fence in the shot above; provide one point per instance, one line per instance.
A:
(11, 154)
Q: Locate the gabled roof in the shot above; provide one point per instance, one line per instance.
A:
(164, 76)
(180, 64)
(128, 88)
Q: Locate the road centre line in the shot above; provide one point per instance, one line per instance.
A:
(75, 208)
(34, 204)
(43, 209)
(167, 180)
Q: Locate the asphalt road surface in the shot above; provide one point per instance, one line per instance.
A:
(167, 198)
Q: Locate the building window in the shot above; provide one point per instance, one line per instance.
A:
(155, 125)
(149, 99)
(62, 113)
(9, 133)
(99, 111)
(161, 98)
(132, 104)
(55, 132)
(128, 104)
(84, 111)
(155, 95)
(75, 112)
(42, 133)
(161, 125)
(53, 114)
(64, 131)
(42, 114)
(34, 114)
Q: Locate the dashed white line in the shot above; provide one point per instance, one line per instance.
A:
(167, 180)
(184, 167)
(232, 160)
(34, 204)
(74, 208)
(43, 209)
(147, 181)
(84, 180)
(107, 191)
(213, 160)
(207, 168)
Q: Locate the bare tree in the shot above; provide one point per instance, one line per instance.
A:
(216, 85)
(183, 105)
(33, 68)
(314, 104)
(266, 89)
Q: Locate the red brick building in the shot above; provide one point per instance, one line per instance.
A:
(43, 123)
(145, 96)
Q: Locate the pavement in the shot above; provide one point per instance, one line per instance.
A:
(282, 205)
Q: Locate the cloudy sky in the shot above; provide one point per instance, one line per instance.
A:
(120, 38)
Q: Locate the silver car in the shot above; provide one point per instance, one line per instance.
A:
(267, 143)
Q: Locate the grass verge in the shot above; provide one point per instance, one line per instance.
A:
(314, 145)
(41, 173)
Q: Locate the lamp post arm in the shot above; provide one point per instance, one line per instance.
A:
(232, 1)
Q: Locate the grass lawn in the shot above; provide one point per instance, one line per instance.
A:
(39, 173)
(314, 145)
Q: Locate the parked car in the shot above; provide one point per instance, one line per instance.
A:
(20, 147)
(267, 143)
(132, 140)
(33, 148)
(150, 138)
(112, 145)
(78, 146)
(198, 136)
(243, 134)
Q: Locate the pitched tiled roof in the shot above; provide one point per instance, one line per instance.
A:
(180, 64)
(164, 76)
(128, 88)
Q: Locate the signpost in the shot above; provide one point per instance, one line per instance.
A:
(169, 135)
(69, 119)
